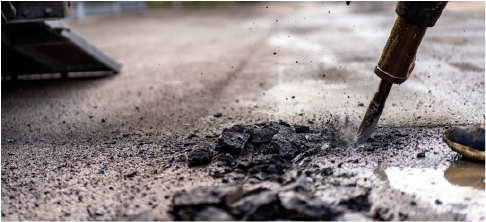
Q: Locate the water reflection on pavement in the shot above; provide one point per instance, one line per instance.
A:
(466, 174)
(458, 188)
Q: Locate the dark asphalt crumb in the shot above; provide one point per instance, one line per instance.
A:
(199, 156)
(438, 202)
(421, 155)
(131, 174)
(283, 123)
(144, 216)
(192, 135)
(101, 171)
(217, 115)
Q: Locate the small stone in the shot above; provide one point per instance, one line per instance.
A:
(101, 171)
(199, 156)
(438, 202)
(212, 213)
(192, 135)
(326, 171)
(421, 155)
(103, 120)
(217, 115)
(100, 211)
(283, 123)
(301, 129)
(131, 174)
(13, 167)
(167, 165)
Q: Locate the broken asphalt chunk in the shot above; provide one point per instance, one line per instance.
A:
(262, 135)
(199, 156)
(231, 142)
(211, 213)
(301, 129)
(131, 174)
(203, 203)
(289, 145)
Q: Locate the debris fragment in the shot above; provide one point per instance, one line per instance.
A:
(231, 141)
(144, 216)
(421, 155)
(199, 156)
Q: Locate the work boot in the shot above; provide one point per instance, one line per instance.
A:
(468, 140)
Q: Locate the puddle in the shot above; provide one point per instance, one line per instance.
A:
(458, 188)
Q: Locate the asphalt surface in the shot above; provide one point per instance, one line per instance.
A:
(70, 148)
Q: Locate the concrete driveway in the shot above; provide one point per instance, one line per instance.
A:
(69, 147)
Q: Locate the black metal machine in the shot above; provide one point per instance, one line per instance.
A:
(35, 41)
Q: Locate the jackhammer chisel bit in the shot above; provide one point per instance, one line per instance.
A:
(373, 112)
(398, 58)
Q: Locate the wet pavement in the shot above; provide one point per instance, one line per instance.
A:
(132, 146)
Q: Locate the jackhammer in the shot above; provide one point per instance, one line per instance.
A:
(398, 58)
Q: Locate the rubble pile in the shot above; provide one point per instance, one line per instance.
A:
(275, 171)
(270, 138)
(257, 154)
(294, 201)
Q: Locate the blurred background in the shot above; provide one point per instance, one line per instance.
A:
(82, 9)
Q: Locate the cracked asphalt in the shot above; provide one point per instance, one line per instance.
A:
(114, 147)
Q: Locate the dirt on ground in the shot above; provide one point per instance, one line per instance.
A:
(248, 112)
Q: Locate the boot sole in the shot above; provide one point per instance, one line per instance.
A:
(464, 150)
